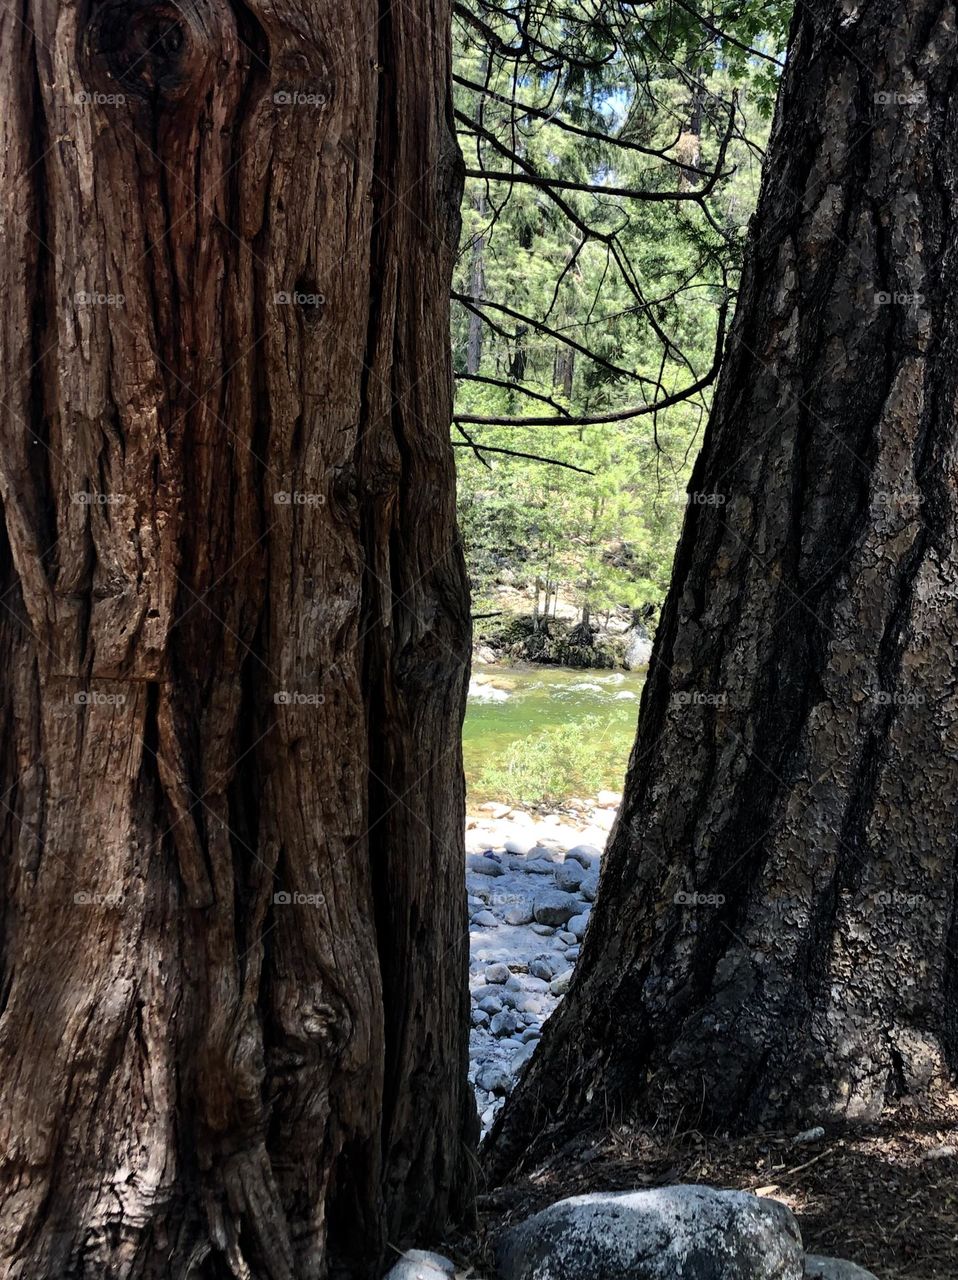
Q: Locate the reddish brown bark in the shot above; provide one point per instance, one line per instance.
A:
(234, 629)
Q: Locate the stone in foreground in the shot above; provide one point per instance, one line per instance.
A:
(834, 1269)
(674, 1233)
(418, 1264)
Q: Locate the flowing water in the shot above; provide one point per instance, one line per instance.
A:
(511, 708)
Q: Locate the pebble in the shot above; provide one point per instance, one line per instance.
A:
(543, 930)
(567, 937)
(485, 920)
(560, 985)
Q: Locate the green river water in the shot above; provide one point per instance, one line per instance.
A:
(562, 718)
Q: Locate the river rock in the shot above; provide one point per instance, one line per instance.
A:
(554, 907)
(674, 1233)
(418, 1264)
(519, 915)
(577, 925)
(560, 984)
(493, 1079)
(569, 875)
(482, 866)
(497, 973)
(834, 1269)
(485, 920)
(504, 1023)
(587, 856)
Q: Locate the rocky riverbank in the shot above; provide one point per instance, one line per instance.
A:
(531, 881)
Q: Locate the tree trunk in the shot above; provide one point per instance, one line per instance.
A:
(235, 632)
(775, 934)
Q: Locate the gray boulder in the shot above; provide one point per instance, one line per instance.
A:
(834, 1269)
(569, 875)
(485, 920)
(675, 1233)
(418, 1264)
(587, 856)
(481, 866)
(554, 907)
(578, 924)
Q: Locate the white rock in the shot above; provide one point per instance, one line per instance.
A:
(674, 1233)
(485, 920)
(516, 846)
(418, 1264)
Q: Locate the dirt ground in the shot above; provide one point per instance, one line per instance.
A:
(885, 1196)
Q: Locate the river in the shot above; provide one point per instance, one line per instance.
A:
(535, 735)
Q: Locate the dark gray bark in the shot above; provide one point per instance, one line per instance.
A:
(235, 636)
(775, 931)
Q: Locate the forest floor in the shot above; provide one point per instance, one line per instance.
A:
(885, 1197)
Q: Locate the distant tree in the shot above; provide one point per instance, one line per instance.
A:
(235, 634)
(776, 936)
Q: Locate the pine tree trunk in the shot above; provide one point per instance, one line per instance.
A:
(775, 934)
(235, 639)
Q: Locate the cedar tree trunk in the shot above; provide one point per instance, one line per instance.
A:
(234, 636)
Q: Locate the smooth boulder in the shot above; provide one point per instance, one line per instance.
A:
(674, 1233)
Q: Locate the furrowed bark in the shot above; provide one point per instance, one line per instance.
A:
(775, 932)
(235, 628)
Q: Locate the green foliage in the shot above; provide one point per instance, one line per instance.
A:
(549, 766)
(637, 283)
